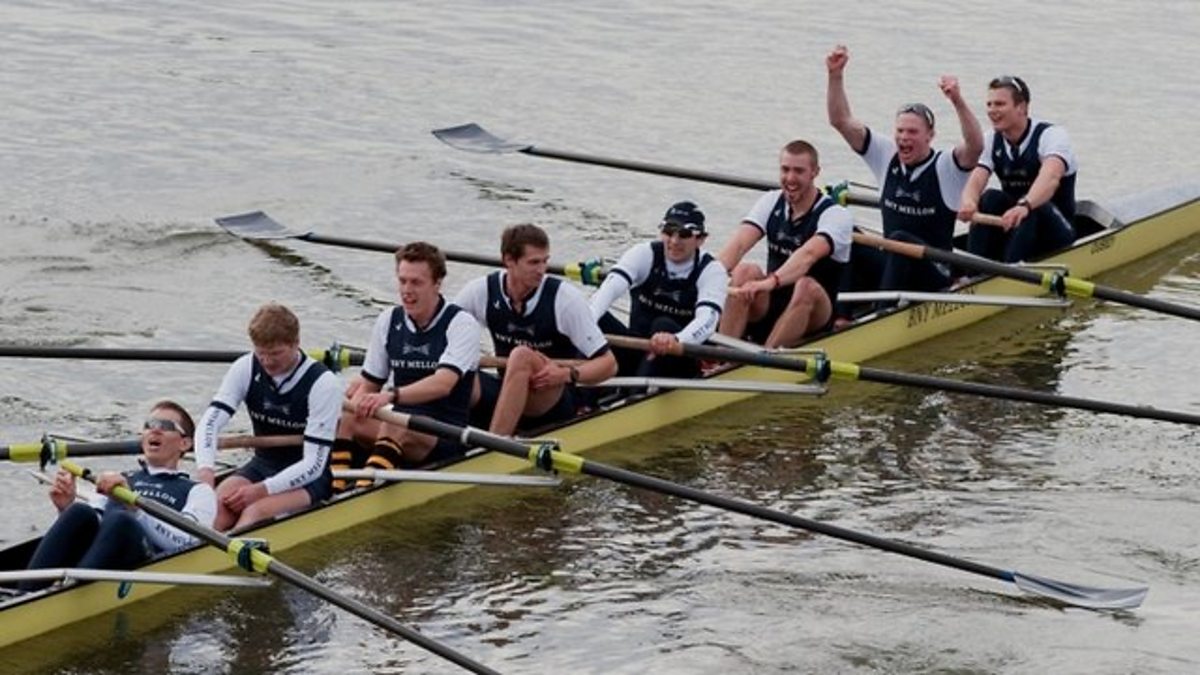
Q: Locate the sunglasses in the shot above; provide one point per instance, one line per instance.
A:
(673, 230)
(1013, 82)
(918, 109)
(161, 424)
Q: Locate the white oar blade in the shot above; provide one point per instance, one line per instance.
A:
(255, 225)
(474, 138)
(1081, 596)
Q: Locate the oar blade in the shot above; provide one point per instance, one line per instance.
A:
(256, 225)
(1090, 597)
(474, 138)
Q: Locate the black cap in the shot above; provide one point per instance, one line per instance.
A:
(685, 215)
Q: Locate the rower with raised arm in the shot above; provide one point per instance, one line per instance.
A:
(1036, 167)
(103, 534)
(428, 349)
(808, 245)
(286, 392)
(920, 187)
(677, 292)
(535, 321)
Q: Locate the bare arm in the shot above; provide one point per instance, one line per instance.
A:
(838, 105)
(970, 194)
(966, 153)
(744, 239)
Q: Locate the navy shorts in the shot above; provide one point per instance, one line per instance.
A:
(259, 469)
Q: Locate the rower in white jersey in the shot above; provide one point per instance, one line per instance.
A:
(428, 350)
(536, 322)
(1036, 167)
(920, 187)
(808, 245)
(285, 393)
(677, 292)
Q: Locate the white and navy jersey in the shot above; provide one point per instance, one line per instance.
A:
(1018, 165)
(692, 292)
(171, 488)
(556, 320)
(404, 353)
(921, 200)
(785, 233)
(305, 401)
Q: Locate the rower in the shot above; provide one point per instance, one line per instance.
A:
(677, 294)
(533, 320)
(808, 245)
(286, 392)
(920, 187)
(429, 351)
(1036, 167)
(100, 534)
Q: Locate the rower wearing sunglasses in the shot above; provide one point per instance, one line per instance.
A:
(808, 245)
(677, 292)
(1036, 167)
(920, 187)
(102, 534)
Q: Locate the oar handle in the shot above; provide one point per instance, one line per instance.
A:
(247, 441)
(987, 219)
(490, 361)
(902, 247)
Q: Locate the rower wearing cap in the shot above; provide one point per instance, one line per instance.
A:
(1036, 167)
(808, 245)
(677, 292)
(535, 321)
(920, 187)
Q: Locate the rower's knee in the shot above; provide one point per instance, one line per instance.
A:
(744, 273)
(523, 360)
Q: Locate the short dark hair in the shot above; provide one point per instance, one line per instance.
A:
(189, 427)
(800, 147)
(274, 324)
(1016, 85)
(515, 238)
(423, 251)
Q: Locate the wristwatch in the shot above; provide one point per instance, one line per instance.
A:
(1024, 201)
(574, 375)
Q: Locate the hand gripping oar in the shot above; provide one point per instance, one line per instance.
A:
(257, 560)
(1054, 281)
(545, 457)
(258, 226)
(50, 450)
(473, 138)
(336, 358)
(822, 369)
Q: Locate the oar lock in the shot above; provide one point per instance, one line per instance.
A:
(246, 551)
(543, 455)
(817, 364)
(49, 451)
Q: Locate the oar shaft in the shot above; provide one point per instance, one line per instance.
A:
(853, 371)
(186, 355)
(507, 446)
(264, 563)
(58, 450)
(1015, 394)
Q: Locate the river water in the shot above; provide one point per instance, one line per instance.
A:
(128, 125)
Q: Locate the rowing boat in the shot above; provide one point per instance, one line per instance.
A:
(1109, 238)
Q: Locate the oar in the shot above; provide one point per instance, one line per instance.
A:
(543, 456)
(160, 578)
(258, 226)
(336, 357)
(821, 369)
(455, 477)
(473, 138)
(1054, 281)
(254, 559)
(50, 450)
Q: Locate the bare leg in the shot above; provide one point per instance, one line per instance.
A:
(226, 517)
(808, 310)
(516, 397)
(740, 311)
(273, 505)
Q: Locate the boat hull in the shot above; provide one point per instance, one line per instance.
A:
(1151, 226)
